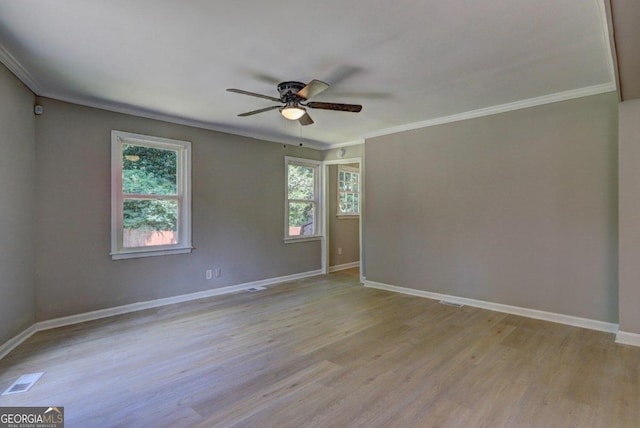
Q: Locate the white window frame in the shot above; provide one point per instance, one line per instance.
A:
(183, 172)
(352, 170)
(316, 201)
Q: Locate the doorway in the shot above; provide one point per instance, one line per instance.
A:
(343, 203)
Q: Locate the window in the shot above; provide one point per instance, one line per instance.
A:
(348, 191)
(302, 209)
(150, 196)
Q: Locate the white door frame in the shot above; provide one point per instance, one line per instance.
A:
(325, 209)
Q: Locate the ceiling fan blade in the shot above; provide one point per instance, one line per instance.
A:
(312, 89)
(250, 113)
(305, 119)
(354, 108)
(253, 94)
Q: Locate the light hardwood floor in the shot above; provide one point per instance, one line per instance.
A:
(326, 352)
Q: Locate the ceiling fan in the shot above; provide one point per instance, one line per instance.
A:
(295, 99)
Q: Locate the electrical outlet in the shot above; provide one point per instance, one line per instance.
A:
(218, 272)
(339, 251)
(207, 274)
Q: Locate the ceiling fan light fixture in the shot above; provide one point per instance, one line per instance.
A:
(292, 112)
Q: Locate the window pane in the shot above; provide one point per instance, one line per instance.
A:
(301, 218)
(148, 171)
(149, 222)
(348, 188)
(343, 202)
(300, 182)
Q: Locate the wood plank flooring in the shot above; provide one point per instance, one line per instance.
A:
(327, 352)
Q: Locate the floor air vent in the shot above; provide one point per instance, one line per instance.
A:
(455, 305)
(254, 289)
(23, 384)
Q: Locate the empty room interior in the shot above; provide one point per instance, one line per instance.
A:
(332, 214)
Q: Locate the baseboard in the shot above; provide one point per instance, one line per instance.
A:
(12, 343)
(626, 338)
(345, 266)
(498, 307)
(139, 306)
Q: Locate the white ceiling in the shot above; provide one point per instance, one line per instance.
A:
(407, 62)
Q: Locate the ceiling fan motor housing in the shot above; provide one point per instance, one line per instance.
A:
(286, 89)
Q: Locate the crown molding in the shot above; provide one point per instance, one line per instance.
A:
(345, 144)
(501, 108)
(27, 78)
(148, 114)
(19, 71)
(606, 25)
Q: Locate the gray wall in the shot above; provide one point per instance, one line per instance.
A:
(238, 214)
(17, 178)
(518, 208)
(629, 215)
(344, 232)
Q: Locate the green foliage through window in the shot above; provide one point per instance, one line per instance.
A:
(348, 191)
(301, 194)
(149, 171)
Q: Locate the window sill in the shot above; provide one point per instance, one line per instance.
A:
(348, 216)
(149, 253)
(293, 240)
